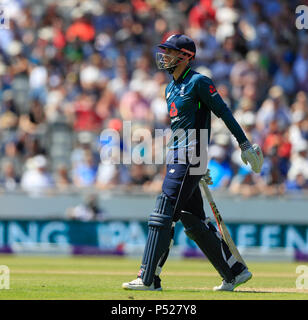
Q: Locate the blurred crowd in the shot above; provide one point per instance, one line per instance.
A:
(69, 69)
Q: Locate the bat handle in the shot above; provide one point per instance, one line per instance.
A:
(211, 203)
(206, 191)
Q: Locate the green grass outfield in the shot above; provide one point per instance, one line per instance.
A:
(101, 278)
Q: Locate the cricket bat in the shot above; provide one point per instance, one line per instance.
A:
(220, 223)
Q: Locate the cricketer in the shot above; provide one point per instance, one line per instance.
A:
(191, 97)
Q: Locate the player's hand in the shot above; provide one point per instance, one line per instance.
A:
(252, 154)
(207, 177)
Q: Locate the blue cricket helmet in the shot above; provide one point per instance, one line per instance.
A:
(186, 51)
(180, 42)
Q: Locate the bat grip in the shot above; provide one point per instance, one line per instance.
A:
(207, 191)
(211, 203)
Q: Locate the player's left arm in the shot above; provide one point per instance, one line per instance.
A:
(251, 154)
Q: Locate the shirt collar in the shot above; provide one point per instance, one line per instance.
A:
(183, 75)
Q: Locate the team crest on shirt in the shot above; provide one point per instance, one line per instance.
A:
(173, 110)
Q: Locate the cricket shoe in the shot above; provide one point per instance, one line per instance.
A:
(243, 277)
(137, 284)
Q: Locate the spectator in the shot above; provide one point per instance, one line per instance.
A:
(249, 126)
(83, 146)
(159, 108)
(12, 155)
(301, 102)
(9, 178)
(301, 67)
(36, 180)
(133, 106)
(155, 184)
(277, 138)
(273, 108)
(138, 175)
(84, 115)
(299, 129)
(299, 184)
(273, 173)
(120, 84)
(62, 179)
(299, 164)
(245, 183)
(38, 77)
(8, 112)
(285, 79)
(88, 211)
(81, 28)
(84, 174)
(107, 175)
(221, 172)
(34, 121)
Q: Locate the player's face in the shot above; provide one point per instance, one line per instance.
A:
(170, 55)
(168, 59)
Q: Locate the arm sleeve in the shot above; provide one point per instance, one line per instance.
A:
(211, 98)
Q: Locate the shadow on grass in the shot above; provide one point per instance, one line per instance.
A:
(254, 291)
(243, 291)
(182, 290)
(262, 291)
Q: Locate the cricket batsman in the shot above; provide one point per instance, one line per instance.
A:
(191, 97)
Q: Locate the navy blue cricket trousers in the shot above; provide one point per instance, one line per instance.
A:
(182, 187)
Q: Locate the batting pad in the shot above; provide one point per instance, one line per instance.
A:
(159, 237)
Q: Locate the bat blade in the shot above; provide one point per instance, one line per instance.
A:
(226, 236)
(221, 225)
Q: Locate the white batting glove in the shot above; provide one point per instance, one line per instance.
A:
(207, 178)
(253, 155)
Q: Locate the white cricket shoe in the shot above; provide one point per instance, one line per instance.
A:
(243, 277)
(137, 284)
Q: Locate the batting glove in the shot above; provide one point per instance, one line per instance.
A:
(252, 154)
